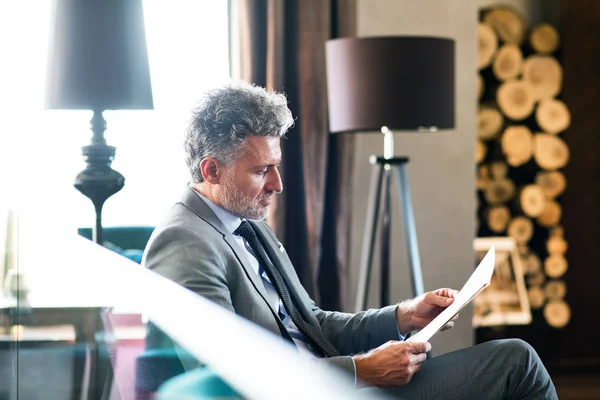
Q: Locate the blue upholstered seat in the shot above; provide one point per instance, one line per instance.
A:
(154, 367)
(201, 384)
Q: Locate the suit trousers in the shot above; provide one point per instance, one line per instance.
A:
(498, 369)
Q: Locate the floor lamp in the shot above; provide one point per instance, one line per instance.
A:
(386, 84)
(98, 61)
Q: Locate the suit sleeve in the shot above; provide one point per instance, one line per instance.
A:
(350, 333)
(360, 332)
(188, 259)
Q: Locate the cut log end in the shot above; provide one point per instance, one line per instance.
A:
(555, 266)
(489, 122)
(556, 245)
(517, 145)
(555, 290)
(536, 279)
(551, 214)
(532, 200)
(480, 151)
(487, 45)
(498, 218)
(516, 99)
(544, 74)
(550, 152)
(536, 297)
(557, 231)
(553, 183)
(557, 313)
(544, 38)
(483, 177)
(533, 264)
(498, 170)
(508, 62)
(480, 87)
(553, 116)
(498, 191)
(507, 22)
(521, 229)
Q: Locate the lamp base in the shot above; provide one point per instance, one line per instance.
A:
(98, 181)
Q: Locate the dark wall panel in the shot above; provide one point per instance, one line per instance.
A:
(580, 20)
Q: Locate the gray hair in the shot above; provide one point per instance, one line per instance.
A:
(226, 116)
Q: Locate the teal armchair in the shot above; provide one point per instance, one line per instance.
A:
(129, 241)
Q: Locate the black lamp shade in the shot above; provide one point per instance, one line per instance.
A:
(404, 83)
(98, 56)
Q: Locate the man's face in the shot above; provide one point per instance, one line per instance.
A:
(248, 183)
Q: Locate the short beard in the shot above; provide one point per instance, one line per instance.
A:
(237, 203)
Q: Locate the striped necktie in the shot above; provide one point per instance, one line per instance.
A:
(313, 333)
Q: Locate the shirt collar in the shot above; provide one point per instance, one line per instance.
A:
(230, 221)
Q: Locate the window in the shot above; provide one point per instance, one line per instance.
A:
(40, 149)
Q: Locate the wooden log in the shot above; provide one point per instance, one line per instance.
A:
(537, 298)
(520, 229)
(497, 218)
(508, 62)
(556, 245)
(517, 145)
(516, 99)
(553, 116)
(544, 38)
(537, 279)
(557, 313)
(480, 151)
(480, 87)
(533, 264)
(557, 231)
(483, 176)
(489, 122)
(498, 191)
(507, 22)
(498, 170)
(555, 290)
(550, 152)
(523, 250)
(487, 41)
(555, 265)
(544, 74)
(551, 214)
(553, 183)
(532, 200)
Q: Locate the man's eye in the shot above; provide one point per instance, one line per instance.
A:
(262, 172)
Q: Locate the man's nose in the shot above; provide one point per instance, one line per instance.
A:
(274, 183)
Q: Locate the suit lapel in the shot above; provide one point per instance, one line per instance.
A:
(250, 273)
(282, 263)
(191, 200)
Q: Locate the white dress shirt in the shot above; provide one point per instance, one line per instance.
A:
(231, 223)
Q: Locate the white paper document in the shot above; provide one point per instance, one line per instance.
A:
(479, 280)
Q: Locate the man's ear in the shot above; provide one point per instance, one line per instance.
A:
(210, 169)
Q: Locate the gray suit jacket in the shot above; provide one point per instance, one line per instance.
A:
(193, 248)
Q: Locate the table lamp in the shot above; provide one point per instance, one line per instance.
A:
(386, 84)
(98, 61)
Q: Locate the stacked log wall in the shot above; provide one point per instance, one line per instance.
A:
(521, 151)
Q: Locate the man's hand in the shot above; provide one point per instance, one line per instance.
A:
(418, 312)
(392, 364)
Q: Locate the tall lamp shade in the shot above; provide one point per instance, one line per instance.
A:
(98, 57)
(405, 83)
(385, 84)
(98, 61)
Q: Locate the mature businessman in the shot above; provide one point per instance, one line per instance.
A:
(215, 242)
